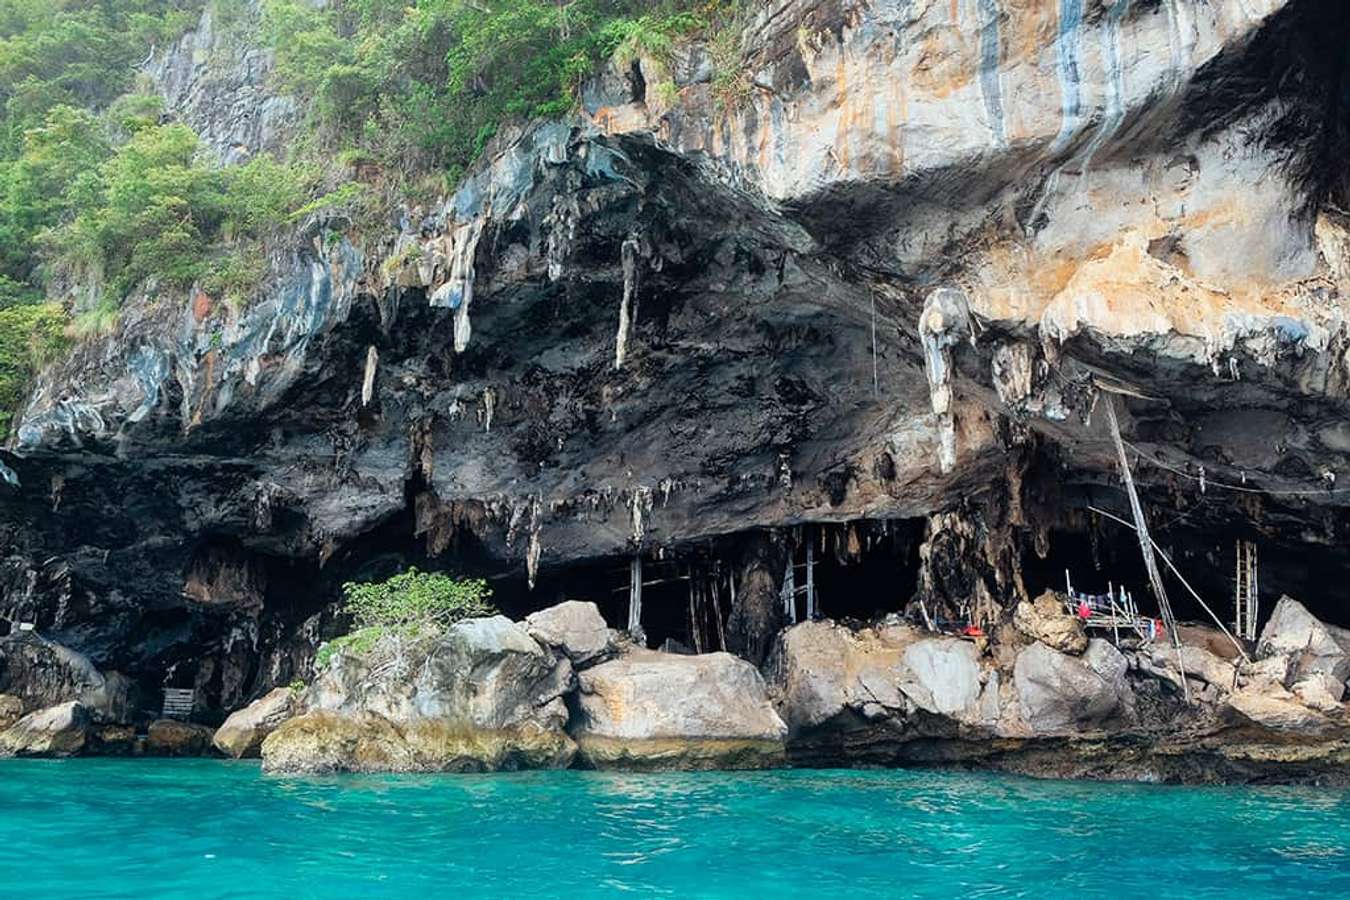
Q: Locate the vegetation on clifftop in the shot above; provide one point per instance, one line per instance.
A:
(102, 193)
(428, 83)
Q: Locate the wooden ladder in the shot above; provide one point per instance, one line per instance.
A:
(1246, 591)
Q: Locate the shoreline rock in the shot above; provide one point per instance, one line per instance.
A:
(55, 731)
(482, 696)
(557, 691)
(651, 710)
(241, 735)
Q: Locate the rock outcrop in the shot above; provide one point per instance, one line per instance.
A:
(480, 697)
(651, 710)
(1046, 621)
(1314, 647)
(863, 695)
(56, 731)
(1278, 710)
(44, 673)
(574, 628)
(1060, 694)
(11, 710)
(242, 734)
(170, 737)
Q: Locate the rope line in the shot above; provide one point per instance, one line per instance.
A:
(1241, 488)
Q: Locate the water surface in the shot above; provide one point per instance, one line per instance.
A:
(203, 829)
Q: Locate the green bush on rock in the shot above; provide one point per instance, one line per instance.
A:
(411, 604)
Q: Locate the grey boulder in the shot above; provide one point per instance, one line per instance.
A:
(574, 628)
(1057, 693)
(59, 730)
(44, 673)
(824, 672)
(242, 734)
(1276, 709)
(651, 710)
(1315, 646)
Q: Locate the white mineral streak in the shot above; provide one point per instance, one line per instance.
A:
(944, 321)
(535, 550)
(368, 381)
(628, 306)
(639, 503)
(457, 291)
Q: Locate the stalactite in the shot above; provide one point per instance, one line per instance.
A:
(489, 407)
(639, 503)
(532, 557)
(628, 306)
(457, 291)
(368, 381)
(535, 548)
(944, 321)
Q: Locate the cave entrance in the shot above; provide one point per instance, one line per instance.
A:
(685, 600)
(858, 570)
(1106, 555)
(593, 580)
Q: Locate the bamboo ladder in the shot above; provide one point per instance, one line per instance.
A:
(1246, 591)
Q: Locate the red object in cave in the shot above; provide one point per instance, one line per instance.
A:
(1084, 611)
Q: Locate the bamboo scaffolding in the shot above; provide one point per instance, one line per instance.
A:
(1146, 544)
(1184, 583)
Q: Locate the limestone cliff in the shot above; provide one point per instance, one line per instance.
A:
(871, 300)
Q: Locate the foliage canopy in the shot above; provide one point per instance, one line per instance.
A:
(101, 191)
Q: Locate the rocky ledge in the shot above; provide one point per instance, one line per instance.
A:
(1036, 696)
(555, 690)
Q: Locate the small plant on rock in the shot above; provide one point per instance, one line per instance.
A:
(408, 606)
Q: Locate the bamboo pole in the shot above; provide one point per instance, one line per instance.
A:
(1146, 544)
(1184, 583)
(635, 593)
(810, 581)
(717, 610)
(693, 617)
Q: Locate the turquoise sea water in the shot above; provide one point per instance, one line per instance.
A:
(205, 829)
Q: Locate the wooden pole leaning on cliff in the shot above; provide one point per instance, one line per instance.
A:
(1242, 651)
(1146, 544)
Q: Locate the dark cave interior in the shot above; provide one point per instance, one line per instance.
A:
(1107, 554)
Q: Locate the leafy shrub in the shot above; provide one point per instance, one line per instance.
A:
(410, 604)
(359, 643)
(432, 81)
(415, 598)
(31, 334)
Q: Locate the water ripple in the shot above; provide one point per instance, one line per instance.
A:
(202, 829)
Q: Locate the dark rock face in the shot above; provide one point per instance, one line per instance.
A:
(877, 306)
